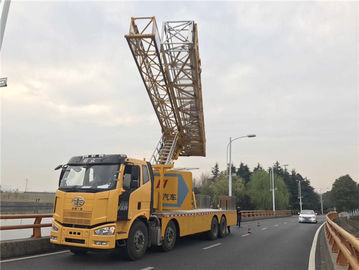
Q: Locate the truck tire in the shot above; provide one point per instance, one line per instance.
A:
(222, 227)
(137, 241)
(170, 236)
(78, 251)
(213, 233)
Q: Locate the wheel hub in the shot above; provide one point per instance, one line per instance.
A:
(139, 240)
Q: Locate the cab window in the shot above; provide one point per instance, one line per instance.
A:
(145, 177)
(131, 177)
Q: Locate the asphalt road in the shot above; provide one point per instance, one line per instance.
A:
(280, 243)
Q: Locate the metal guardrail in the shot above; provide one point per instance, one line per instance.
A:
(248, 214)
(36, 226)
(343, 243)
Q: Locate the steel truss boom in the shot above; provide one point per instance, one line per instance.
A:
(171, 73)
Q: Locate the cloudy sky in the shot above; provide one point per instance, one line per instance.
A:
(285, 71)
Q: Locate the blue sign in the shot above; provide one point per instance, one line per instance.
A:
(182, 190)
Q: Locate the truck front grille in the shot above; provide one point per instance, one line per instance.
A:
(72, 240)
(79, 218)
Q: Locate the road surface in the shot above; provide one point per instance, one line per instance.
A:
(279, 243)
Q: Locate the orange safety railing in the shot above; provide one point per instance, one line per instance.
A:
(249, 214)
(343, 243)
(36, 226)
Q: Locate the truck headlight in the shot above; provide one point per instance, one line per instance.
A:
(54, 227)
(105, 230)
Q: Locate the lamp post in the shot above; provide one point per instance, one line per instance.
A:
(300, 196)
(321, 200)
(271, 180)
(230, 160)
(285, 167)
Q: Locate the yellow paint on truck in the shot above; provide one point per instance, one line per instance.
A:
(101, 217)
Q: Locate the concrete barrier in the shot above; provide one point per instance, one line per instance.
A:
(25, 247)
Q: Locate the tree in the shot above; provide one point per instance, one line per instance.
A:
(244, 172)
(258, 168)
(260, 195)
(345, 194)
(215, 170)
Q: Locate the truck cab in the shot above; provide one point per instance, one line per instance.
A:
(98, 199)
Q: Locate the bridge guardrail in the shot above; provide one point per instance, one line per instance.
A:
(36, 226)
(249, 214)
(343, 243)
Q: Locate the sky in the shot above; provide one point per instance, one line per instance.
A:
(285, 71)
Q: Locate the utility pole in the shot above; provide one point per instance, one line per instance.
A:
(230, 168)
(26, 181)
(300, 196)
(321, 200)
(271, 179)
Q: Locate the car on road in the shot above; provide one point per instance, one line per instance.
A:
(307, 216)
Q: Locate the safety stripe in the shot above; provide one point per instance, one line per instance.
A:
(191, 214)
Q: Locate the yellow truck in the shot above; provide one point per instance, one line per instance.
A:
(110, 201)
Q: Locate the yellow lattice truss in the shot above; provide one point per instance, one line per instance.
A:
(171, 72)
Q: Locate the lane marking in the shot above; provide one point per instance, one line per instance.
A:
(285, 222)
(311, 265)
(34, 256)
(264, 229)
(212, 246)
(276, 225)
(148, 268)
(243, 235)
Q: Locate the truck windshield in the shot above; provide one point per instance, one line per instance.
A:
(89, 178)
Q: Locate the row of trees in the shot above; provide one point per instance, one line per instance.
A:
(344, 195)
(252, 190)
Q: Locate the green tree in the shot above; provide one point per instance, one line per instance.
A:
(345, 194)
(215, 170)
(260, 195)
(244, 172)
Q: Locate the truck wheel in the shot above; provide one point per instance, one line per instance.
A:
(170, 237)
(222, 227)
(213, 233)
(137, 241)
(78, 251)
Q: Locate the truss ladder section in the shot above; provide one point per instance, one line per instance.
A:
(183, 70)
(144, 42)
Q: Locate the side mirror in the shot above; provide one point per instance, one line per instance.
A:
(58, 167)
(135, 184)
(135, 173)
(135, 177)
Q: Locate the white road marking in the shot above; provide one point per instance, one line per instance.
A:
(212, 246)
(34, 256)
(148, 268)
(276, 225)
(285, 222)
(311, 265)
(243, 235)
(264, 229)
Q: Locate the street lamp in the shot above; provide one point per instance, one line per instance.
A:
(230, 159)
(300, 196)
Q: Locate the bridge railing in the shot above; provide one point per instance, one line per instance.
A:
(249, 214)
(343, 243)
(36, 226)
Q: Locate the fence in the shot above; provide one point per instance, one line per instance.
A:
(252, 214)
(343, 243)
(36, 226)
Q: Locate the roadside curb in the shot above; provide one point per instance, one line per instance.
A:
(25, 247)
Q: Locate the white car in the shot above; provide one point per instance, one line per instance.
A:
(307, 216)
